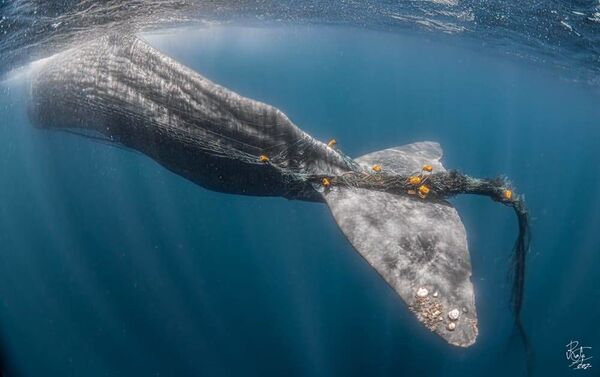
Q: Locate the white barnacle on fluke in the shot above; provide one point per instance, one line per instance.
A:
(121, 87)
(453, 314)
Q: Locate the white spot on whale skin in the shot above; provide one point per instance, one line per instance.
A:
(453, 314)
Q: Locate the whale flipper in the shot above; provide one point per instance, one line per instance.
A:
(414, 245)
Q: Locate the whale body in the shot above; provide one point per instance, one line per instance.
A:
(121, 89)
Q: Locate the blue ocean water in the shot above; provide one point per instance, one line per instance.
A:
(113, 266)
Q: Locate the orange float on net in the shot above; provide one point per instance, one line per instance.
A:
(331, 143)
(428, 168)
(423, 191)
(507, 194)
(326, 182)
(263, 158)
(414, 180)
(376, 168)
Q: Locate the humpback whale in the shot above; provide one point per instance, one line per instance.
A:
(392, 204)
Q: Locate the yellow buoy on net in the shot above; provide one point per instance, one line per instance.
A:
(414, 180)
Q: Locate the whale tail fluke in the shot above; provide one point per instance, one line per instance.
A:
(418, 247)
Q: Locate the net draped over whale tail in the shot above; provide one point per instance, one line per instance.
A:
(418, 247)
